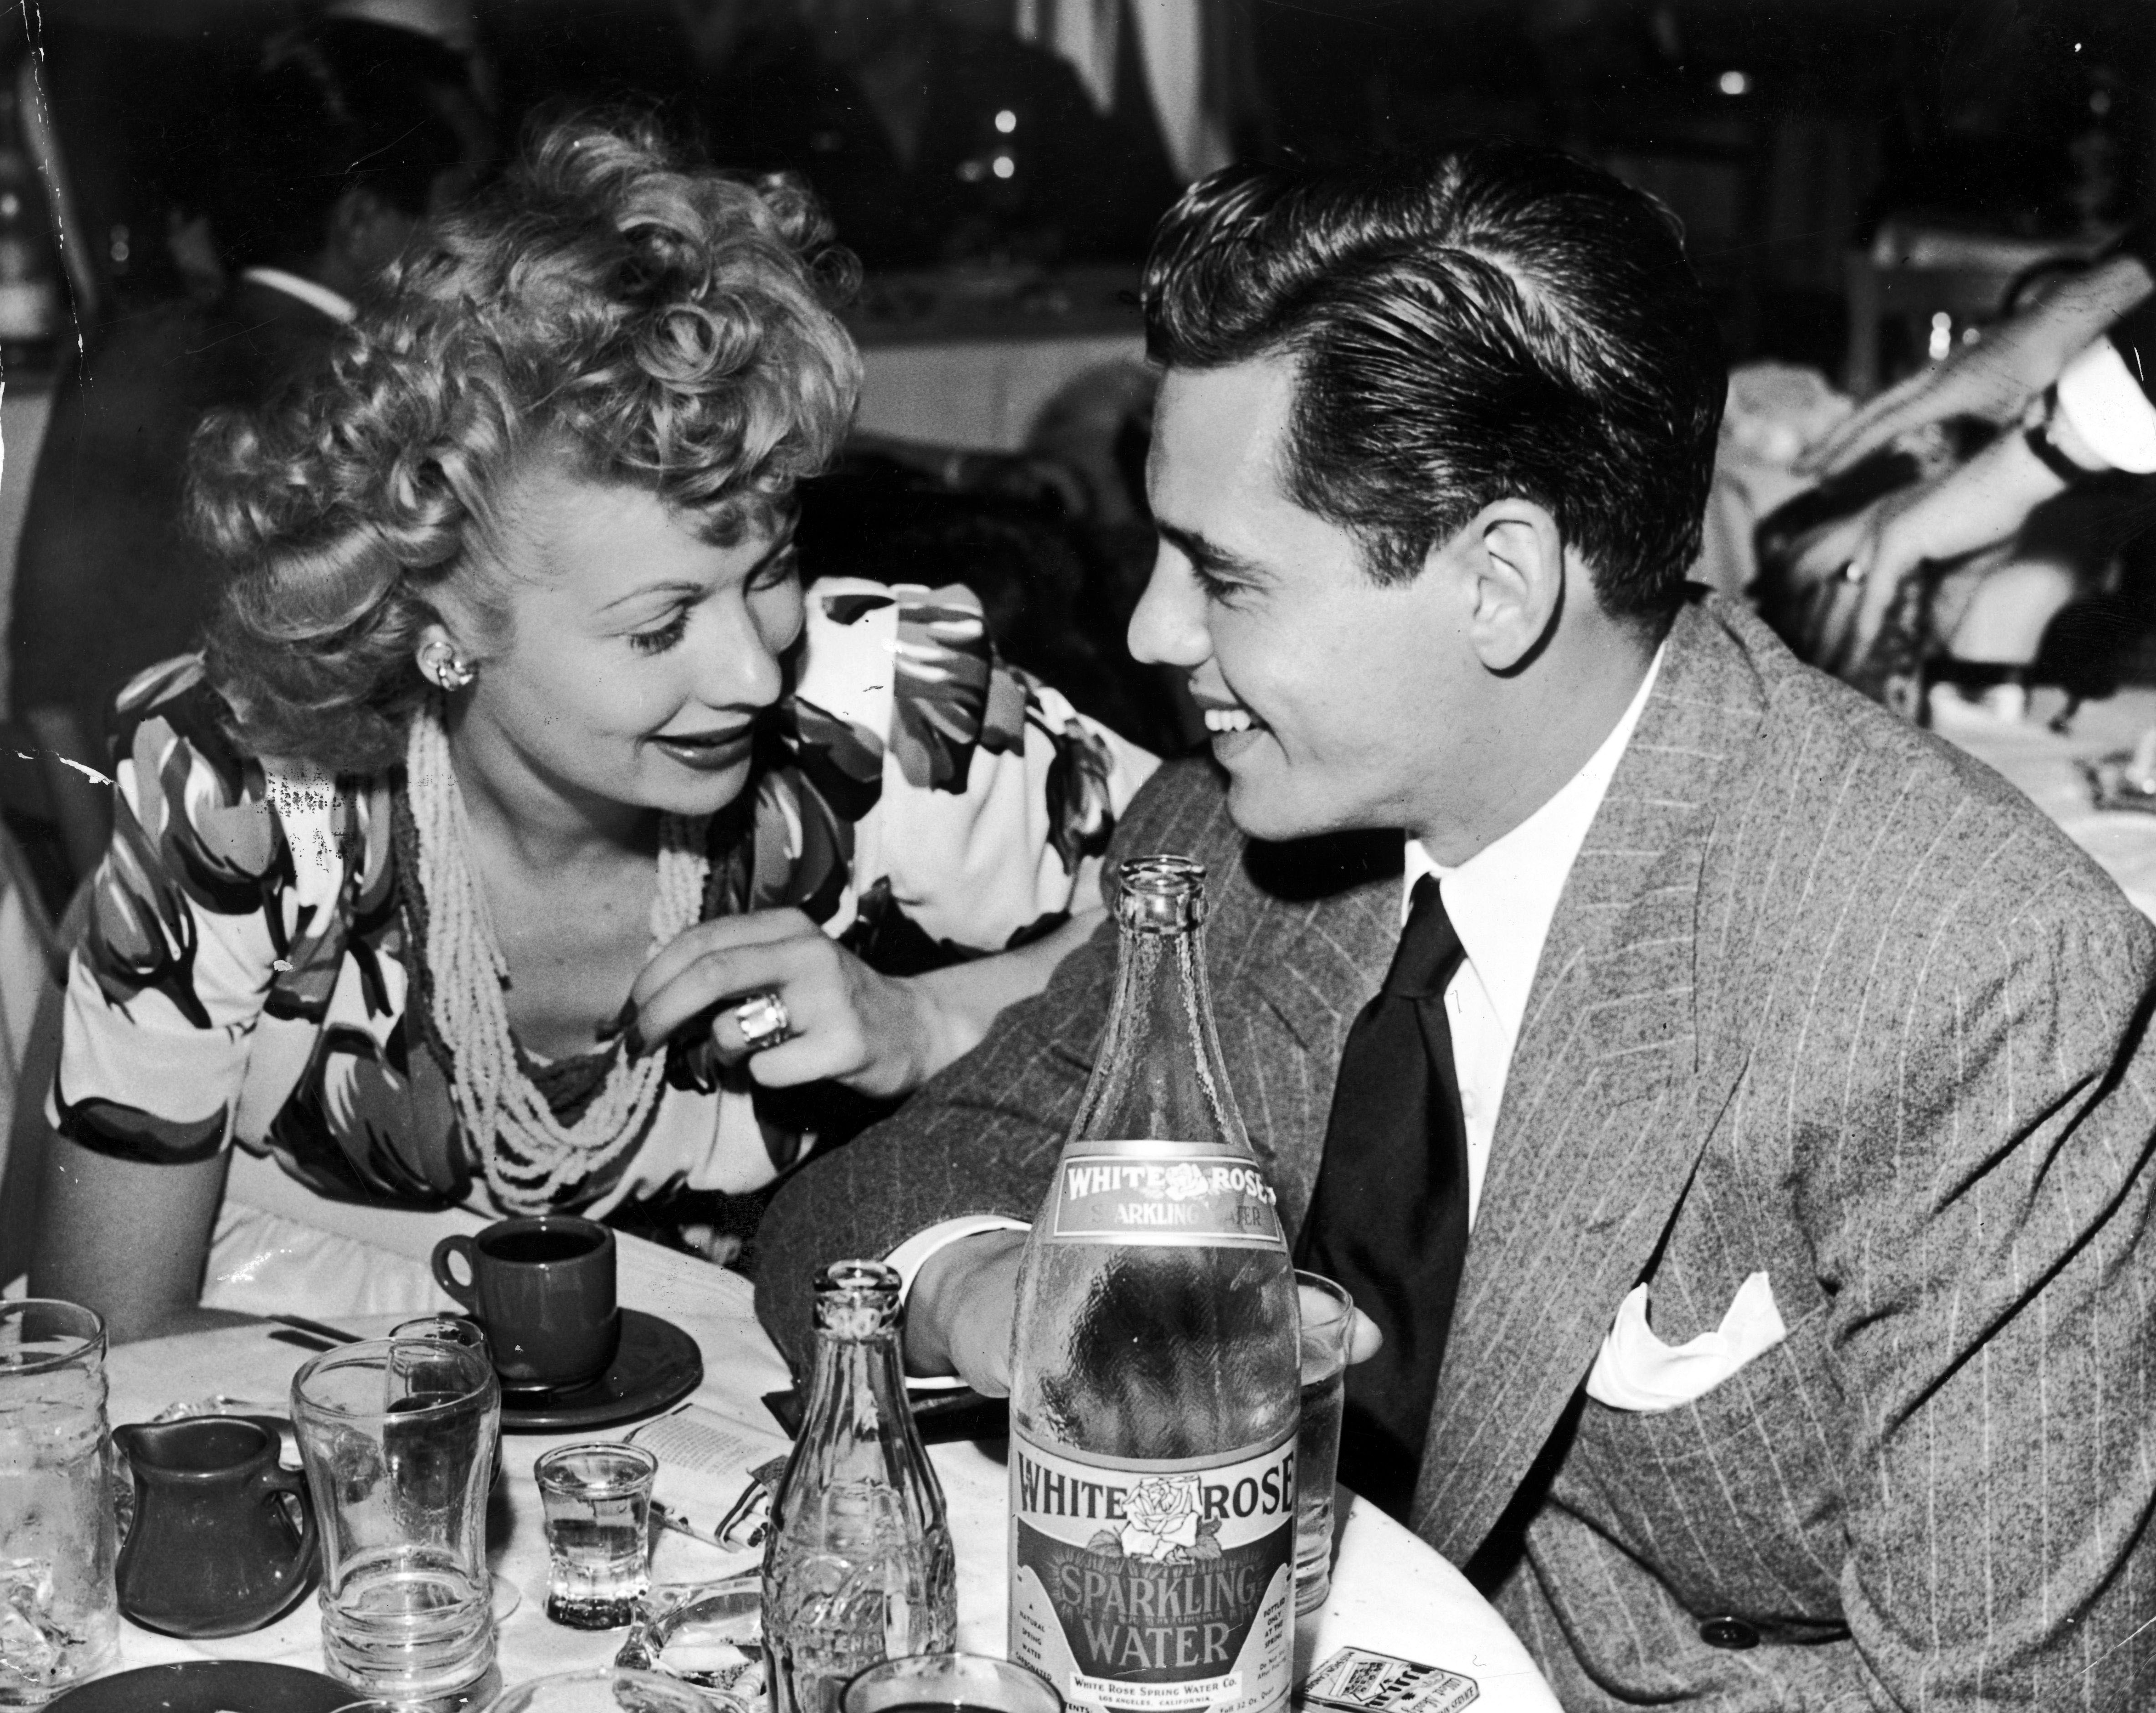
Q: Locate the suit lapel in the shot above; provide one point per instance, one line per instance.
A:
(1311, 951)
(1605, 1107)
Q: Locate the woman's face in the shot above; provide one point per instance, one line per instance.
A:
(637, 657)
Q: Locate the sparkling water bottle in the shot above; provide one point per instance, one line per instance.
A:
(857, 1566)
(1155, 1367)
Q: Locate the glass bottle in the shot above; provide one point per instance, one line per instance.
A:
(1155, 1365)
(858, 1566)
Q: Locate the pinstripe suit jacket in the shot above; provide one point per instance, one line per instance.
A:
(1823, 998)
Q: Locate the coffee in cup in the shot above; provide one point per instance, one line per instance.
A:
(543, 1288)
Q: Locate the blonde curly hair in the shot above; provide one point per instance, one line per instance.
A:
(652, 321)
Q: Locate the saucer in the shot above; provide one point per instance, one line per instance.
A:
(655, 1364)
(210, 1686)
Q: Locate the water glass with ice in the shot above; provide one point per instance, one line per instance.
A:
(59, 1611)
(396, 1435)
(1328, 1323)
(598, 1498)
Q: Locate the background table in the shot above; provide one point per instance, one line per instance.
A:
(1390, 1592)
(2045, 765)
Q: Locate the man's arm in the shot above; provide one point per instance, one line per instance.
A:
(1985, 1221)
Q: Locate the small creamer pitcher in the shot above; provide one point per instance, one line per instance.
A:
(223, 1536)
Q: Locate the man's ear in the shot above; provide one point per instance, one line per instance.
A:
(1508, 563)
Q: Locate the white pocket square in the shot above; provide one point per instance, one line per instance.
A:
(1635, 1371)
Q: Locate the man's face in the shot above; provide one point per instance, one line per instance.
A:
(1334, 702)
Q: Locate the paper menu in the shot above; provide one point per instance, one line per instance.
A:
(716, 1476)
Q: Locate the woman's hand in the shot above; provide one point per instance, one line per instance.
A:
(1979, 505)
(876, 1034)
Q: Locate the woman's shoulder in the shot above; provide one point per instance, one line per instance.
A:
(911, 669)
(196, 793)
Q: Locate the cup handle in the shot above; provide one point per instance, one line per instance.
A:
(273, 1484)
(457, 1244)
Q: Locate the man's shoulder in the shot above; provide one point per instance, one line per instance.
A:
(1835, 792)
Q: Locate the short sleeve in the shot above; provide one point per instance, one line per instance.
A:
(170, 974)
(982, 801)
(2105, 392)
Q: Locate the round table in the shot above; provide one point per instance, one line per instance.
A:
(1391, 1594)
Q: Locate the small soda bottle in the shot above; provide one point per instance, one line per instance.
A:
(1155, 1372)
(857, 1566)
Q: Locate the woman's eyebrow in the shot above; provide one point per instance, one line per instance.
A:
(672, 586)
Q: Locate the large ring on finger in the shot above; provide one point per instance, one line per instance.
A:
(763, 1021)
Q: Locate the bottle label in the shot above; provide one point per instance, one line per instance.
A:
(1172, 1195)
(1151, 1587)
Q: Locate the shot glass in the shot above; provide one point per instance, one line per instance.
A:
(949, 1683)
(598, 1498)
(396, 1435)
(1328, 1321)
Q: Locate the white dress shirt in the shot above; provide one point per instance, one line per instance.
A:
(1502, 900)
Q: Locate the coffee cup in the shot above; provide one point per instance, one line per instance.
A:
(543, 1289)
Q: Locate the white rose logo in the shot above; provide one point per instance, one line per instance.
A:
(1160, 1519)
(1185, 1183)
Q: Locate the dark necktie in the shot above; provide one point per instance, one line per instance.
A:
(1388, 1217)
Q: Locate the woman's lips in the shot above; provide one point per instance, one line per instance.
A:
(710, 751)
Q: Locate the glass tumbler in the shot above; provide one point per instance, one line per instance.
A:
(1328, 1325)
(398, 1436)
(60, 1611)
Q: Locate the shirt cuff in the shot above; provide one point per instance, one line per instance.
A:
(910, 1257)
(2099, 395)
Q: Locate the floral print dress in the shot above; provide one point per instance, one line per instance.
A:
(251, 970)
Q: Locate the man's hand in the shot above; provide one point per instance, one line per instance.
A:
(959, 1313)
(964, 1302)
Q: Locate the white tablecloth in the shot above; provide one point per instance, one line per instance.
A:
(1390, 1592)
(2045, 765)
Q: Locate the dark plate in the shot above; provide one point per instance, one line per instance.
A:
(210, 1686)
(655, 1364)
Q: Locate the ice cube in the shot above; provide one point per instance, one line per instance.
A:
(33, 1644)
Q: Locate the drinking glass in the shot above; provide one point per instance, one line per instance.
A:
(1328, 1321)
(598, 1498)
(396, 1435)
(949, 1683)
(613, 1691)
(60, 1611)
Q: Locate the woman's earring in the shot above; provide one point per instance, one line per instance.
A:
(442, 665)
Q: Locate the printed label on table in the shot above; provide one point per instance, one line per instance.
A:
(1356, 1680)
(1151, 1588)
(1191, 1195)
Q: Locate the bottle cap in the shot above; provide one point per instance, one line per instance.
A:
(856, 1298)
(1161, 893)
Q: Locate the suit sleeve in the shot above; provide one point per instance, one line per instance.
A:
(983, 1137)
(1982, 1218)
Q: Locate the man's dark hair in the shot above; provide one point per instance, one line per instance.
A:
(344, 104)
(1499, 321)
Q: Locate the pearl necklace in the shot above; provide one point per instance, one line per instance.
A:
(529, 1155)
